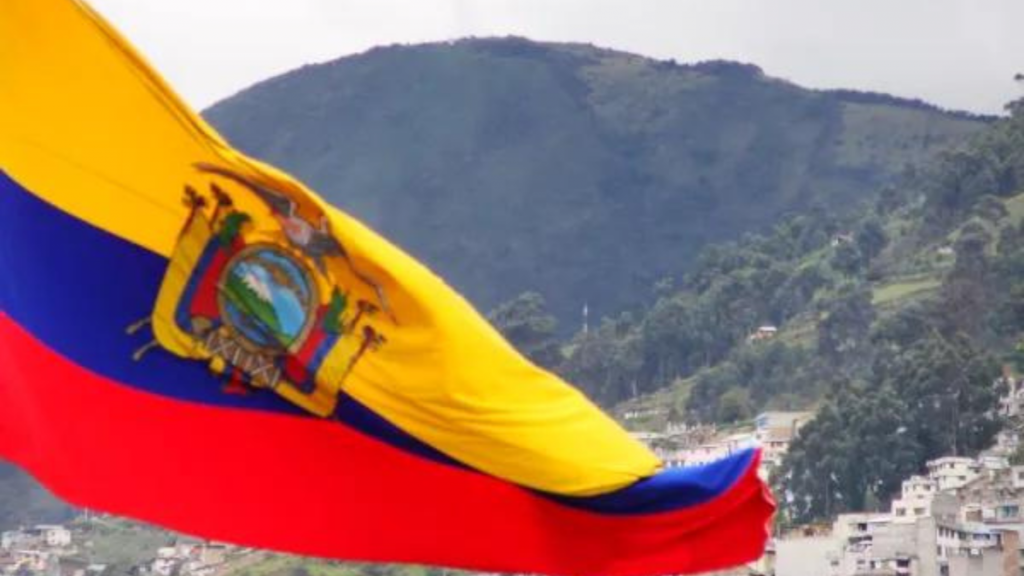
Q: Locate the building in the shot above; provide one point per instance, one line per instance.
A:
(774, 431)
(963, 519)
(805, 555)
(54, 536)
(952, 472)
(855, 536)
(43, 535)
(786, 421)
(978, 550)
(766, 332)
(905, 549)
(915, 500)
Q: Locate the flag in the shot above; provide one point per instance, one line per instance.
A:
(193, 338)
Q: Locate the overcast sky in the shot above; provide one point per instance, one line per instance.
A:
(959, 54)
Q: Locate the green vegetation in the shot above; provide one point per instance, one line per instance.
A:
(893, 320)
(282, 565)
(900, 291)
(525, 322)
(583, 174)
(122, 544)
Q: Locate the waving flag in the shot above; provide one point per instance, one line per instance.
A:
(193, 338)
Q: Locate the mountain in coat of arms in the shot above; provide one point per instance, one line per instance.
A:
(253, 292)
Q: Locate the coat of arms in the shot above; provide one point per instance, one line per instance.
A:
(255, 292)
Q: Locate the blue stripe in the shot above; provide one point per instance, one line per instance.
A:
(670, 489)
(77, 288)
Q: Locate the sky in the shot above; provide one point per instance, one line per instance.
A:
(959, 54)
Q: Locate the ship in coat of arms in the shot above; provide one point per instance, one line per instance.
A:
(256, 292)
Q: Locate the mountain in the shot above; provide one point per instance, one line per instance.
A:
(22, 501)
(899, 324)
(581, 173)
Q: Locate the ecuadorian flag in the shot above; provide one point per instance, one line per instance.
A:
(193, 338)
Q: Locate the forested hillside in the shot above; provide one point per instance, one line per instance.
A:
(583, 174)
(895, 323)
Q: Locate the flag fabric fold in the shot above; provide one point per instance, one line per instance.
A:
(192, 337)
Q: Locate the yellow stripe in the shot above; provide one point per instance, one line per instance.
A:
(86, 125)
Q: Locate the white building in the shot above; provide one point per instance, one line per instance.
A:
(856, 534)
(952, 472)
(806, 555)
(711, 451)
(702, 454)
(774, 431)
(859, 527)
(671, 458)
(766, 332)
(790, 421)
(915, 500)
(990, 463)
(964, 539)
(54, 536)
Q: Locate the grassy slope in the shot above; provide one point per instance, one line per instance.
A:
(913, 274)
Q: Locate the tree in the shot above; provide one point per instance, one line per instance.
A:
(965, 291)
(527, 325)
(927, 398)
(848, 259)
(734, 405)
(950, 394)
(871, 239)
(606, 362)
(843, 331)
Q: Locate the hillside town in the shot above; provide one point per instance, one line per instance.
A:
(961, 517)
(681, 445)
(67, 550)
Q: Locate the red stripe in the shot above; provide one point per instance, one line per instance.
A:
(204, 302)
(318, 488)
